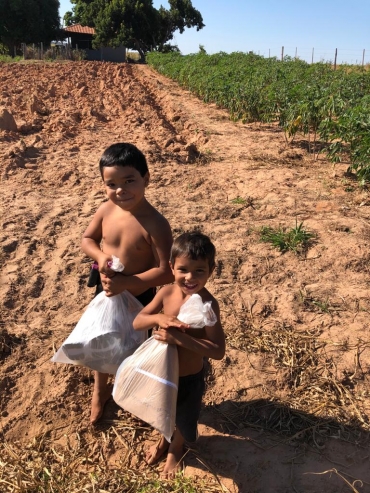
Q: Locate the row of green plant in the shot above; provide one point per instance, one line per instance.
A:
(331, 108)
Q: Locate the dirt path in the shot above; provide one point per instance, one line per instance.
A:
(268, 396)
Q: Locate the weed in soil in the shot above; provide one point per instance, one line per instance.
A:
(296, 239)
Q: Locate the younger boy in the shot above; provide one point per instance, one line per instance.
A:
(130, 228)
(192, 262)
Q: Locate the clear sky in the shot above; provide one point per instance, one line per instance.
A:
(307, 29)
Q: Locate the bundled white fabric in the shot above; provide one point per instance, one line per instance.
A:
(196, 313)
(146, 385)
(104, 335)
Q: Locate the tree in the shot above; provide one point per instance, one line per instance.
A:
(136, 23)
(181, 15)
(28, 21)
(68, 19)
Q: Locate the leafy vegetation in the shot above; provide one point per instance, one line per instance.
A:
(28, 21)
(331, 108)
(295, 239)
(136, 25)
(238, 200)
(9, 59)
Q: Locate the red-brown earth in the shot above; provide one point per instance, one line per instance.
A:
(291, 398)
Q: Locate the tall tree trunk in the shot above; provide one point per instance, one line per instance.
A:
(140, 50)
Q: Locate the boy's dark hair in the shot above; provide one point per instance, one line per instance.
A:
(194, 245)
(124, 154)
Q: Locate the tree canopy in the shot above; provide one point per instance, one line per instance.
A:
(28, 21)
(135, 24)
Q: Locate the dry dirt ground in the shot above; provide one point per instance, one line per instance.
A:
(291, 398)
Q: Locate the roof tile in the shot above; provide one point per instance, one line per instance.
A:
(77, 28)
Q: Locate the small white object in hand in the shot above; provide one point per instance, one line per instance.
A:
(116, 264)
(196, 313)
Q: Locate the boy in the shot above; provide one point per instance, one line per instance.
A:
(128, 227)
(192, 262)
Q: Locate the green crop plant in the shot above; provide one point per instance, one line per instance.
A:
(350, 134)
(326, 106)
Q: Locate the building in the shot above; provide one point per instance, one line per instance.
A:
(81, 38)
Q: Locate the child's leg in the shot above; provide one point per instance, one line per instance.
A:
(174, 456)
(156, 451)
(101, 393)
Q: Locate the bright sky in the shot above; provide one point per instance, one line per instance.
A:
(307, 29)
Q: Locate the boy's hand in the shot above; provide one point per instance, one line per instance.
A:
(110, 284)
(167, 335)
(103, 265)
(167, 321)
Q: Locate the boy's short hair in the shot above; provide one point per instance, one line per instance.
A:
(124, 154)
(194, 245)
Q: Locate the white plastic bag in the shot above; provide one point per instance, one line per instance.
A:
(146, 385)
(104, 335)
(115, 264)
(196, 313)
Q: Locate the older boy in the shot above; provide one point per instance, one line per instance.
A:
(130, 228)
(192, 262)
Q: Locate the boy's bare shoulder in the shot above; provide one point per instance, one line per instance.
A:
(207, 296)
(157, 225)
(167, 290)
(105, 208)
(155, 216)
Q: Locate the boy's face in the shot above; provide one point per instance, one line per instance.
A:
(125, 186)
(191, 275)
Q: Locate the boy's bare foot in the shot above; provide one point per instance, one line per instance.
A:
(174, 464)
(98, 401)
(156, 451)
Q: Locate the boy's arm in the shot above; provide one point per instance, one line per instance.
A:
(212, 346)
(91, 239)
(161, 238)
(147, 317)
(150, 316)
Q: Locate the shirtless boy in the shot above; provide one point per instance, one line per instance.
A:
(129, 227)
(192, 262)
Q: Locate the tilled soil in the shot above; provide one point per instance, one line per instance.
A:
(291, 397)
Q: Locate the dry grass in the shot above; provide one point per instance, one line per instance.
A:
(306, 399)
(319, 403)
(44, 466)
(133, 55)
(306, 395)
(352, 486)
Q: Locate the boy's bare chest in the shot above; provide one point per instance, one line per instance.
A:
(173, 302)
(125, 233)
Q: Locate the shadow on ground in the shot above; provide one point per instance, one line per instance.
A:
(262, 446)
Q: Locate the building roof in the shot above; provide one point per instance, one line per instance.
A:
(77, 28)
